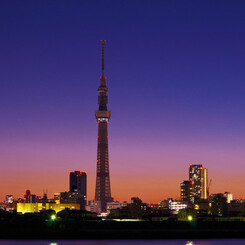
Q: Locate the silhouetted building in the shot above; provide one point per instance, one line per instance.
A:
(136, 200)
(78, 182)
(134, 210)
(137, 210)
(76, 215)
(236, 209)
(78, 189)
(187, 191)
(115, 205)
(57, 198)
(164, 203)
(187, 214)
(219, 205)
(94, 207)
(73, 197)
(45, 198)
(30, 198)
(103, 187)
(199, 176)
(203, 206)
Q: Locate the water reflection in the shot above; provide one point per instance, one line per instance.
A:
(126, 242)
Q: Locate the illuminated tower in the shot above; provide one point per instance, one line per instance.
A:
(103, 187)
(199, 176)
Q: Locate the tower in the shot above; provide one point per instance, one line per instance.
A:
(199, 176)
(103, 187)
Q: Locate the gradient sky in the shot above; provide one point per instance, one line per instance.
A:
(176, 79)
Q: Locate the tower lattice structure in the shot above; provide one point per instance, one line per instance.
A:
(103, 187)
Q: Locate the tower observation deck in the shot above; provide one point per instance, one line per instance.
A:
(103, 187)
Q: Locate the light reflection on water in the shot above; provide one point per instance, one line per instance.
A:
(125, 242)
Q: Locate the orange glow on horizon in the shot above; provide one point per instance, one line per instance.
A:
(150, 190)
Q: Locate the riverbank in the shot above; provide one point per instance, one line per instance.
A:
(71, 229)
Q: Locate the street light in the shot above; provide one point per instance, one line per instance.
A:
(53, 217)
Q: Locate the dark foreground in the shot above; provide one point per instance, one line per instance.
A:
(127, 242)
(31, 229)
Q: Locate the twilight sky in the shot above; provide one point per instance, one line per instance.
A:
(176, 79)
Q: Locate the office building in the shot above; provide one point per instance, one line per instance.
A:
(73, 197)
(78, 189)
(78, 182)
(219, 205)
(187, 191)
(199, 176)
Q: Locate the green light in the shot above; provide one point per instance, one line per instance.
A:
(53, 217)
(190, 218)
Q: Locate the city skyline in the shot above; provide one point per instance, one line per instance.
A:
(176, 79)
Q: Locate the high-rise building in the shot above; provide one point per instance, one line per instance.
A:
(199, 176)
(78, 189)
(187, 191)
(78, 182)
(103, 187)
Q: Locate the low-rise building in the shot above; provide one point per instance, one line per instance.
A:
(37, 207)
(218, 204)
(236, 209)
(175, 206)
(229, 196)
(203, 205)
(73, 197)
(94, 206)
(115, 205)
(187, 214)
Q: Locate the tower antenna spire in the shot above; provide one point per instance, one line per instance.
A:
(103, 57)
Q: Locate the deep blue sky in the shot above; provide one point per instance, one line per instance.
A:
(176, 91)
